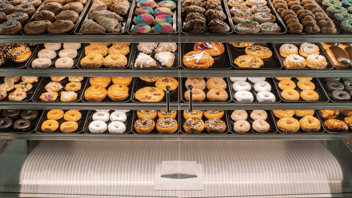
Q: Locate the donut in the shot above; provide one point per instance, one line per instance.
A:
(96, 49)
(118, 92)
(209, 114)
(151, 114)
(284, 113)
(347, 85)
(290, 95)
(304, 78)
(193, 125)
(68, 127)
(55, 114)
(10, 27)
(215, 125)
(235, 79)
(310, 124)
(122, 80)
(163, 113)
(118, 116)
(282, 78)
(92, 61)
(68, 53)
(193, 114)
(305, 85)
(115, 60)
(261, 126)
(97, 127)
(288, 49)
(217, 95)
(262, 86)
(47, 53)
(335, 125)
(74, 46)
(244, 96)
(52, 46)
(302, 113)
(216, 83)
(29, 114)
(12, 114)
(41, 63)
(238, 115)
(119, 49)
(100, 81)
(117, 127)
(287, 84)
(101, 116)
(50, 126)
(256, 79)
(197, 83)
(259, 115)
(72, 115)
(309, 95)
(197, 95)
(144, 125)
(288, 125)
(241, 86)
(266, 96)
(22, 125)
(18, 16)
(241, 126)
(307, 49)
(340, 95)
(166, 125)
(75, 79)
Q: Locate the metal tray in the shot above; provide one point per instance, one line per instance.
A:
(155, 131)
(12, 65)
(224, 9)
(184, 89)
(340, 117)
(270, 63)
(269, 120)
(323, 51)
(30, 94)
(70, 32)
(107, 99)
(322, 130)
(34, 123)
(123, 29)
(107, 69)
(224, 118)
(329, 93)
(138, 84)
(136, 52)
(220, 62)
(128, 123)
(46, 80)
(278, 21)
(318, 88)
(52, 66)
(282, 59)
(254, 92)
(175, 18)
(81, 123)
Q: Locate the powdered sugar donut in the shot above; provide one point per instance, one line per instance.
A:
(41, 63)
(117, 127)
(68, 53)
(261, 126)
(74, 46)
(102, 110)
(244, 96)
(102, 116)
(265, 96)
(64, 63)
(256, 79)
(235, 79)
(47, 53)
(97, 127)
(118, 116)
(125, 111)
(241, 86)
(52, 46)
(262, 86)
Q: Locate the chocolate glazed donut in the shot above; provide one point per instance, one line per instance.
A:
(331, 79)
(12, 114)
(22, 125)
(5, 124)
(340, 95)
(346, 79)
(348, 86)
(334, 85)
(29, 114)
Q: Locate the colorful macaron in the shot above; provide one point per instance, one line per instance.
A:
(141, 29)
(163, 19)
(144, 19)
(167, 4)
(144, 10)
(163, 28)
(163, 11)
(146, 3)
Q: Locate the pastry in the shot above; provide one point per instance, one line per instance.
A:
(259, 51)
(213, 49)
(294, 61)
(198, 59)
(165, 59)
(197, 83)
(151, 114)
(315, 61)
(147, 48)
(263, 17)
(100, 81)
(144, 61)
(115, 60)
(167, 81)
(307, 49)
(149, 94)
(339, 57)
(49, 96)
(166, 47)
(195, 26)
(269, 27)
(288, 49)
(68, 96)
(248, 61)
(95, 93)
(218, 26)
(118, 92)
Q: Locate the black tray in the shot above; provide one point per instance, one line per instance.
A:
(318, 88)
(329, 93)
(322, 129)
(81, 123)
(224, 118)
(278, 21)
(224, 9)
(83, 54)
(128, 123)
(30, 94)
(282, 59)
(138, 84)
(46, 80)
(323, 51)
(12, 65)
(254, 92)
(124, 24)
(155, 131)
(340, 117)
(33, 123)
(184, 89)
(220, 62)
(136, 52)
(175, 18)
(107, 99)
(269, 120)
(52, 66)
(270, 63)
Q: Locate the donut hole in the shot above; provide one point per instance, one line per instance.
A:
(217, 93)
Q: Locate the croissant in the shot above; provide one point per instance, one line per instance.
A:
(89, 26)
(144, 60)
(105, 13)
(97, 6)
(120, 8)
(111, 25)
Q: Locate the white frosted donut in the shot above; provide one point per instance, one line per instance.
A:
(125, 111)
(256, 79)
(97, 127)
(118, 116)
(47, 53)
(235, 79)
(64, 63)
(244, 96)
(117, 127)
(68, 53)
(242, 126)
(74, 46)
(259, 115)
(102, 110)
(241, 86)
(261, 126)
(52, 46)
(102, 116)
(238, 115)
(265, 96)
(41, 63)
(262, 86)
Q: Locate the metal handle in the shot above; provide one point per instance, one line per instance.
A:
(167, 99)
(190, 87)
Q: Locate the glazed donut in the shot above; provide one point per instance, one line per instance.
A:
(340, 95)
(235, 79)
(68, 53)
(310, 124)
(216, 83)
(287, 84)
(197, 83)
(238, 115)
(284, 113)
(68, 127)
(117, 127)
(209, 114)
(261, 126)
(304, 78)
(266, 96)
(256, 79)
(74, 46)
(262, 86)
(166, 125)
(44, 15)
(118, 116)
(100, 81)
(347, 85)
(12, 113)
(95, 93)
(283, 78)
(41, 63)
(47, 53)
(55, 114)
(17, 95)
(101, 116)
(163, 113)
(52, 46)
(144, 125)
(259, 115)
(50, 126)
(217, 95)
(242, 126)
(10, 27)
(305, 85)
(197, 95)
(193, 125)
(97, 127)
(288, 125)
(302, 113)
(244, 96)
(151, 114)
(307, 49)
(119, 49)
(72, 115)
(193, 114)
(73, 86)
(241, 86)
(290, 95)
(53, 7)
(118, 92)
(115, 60)
(5, 124)
(22, 125)
(215, 125)
(309, 95)
(29, 114)
(122, 80)
(334, 85)
(288, 49)
(96, 49)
